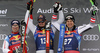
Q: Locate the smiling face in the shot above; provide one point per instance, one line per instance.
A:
(69, 23)
(15, 28)
(41, 23)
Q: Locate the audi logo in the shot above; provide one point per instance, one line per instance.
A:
(2, 36)
(92, 37)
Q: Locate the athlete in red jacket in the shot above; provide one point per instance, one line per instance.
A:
(12, 42)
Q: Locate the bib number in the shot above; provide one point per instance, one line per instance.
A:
(67, 41)
(43, 40)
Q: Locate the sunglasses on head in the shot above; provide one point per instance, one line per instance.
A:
(15, 26)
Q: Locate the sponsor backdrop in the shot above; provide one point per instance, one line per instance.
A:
(15, 9)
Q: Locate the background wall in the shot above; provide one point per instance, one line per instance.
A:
(15, 9)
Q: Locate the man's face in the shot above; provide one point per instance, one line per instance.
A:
(41, 23)
(69, 23)
(15, 28)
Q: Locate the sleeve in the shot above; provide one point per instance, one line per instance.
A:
(61, 17)
(5, 47)
(85, 27)
(56, 23)
(29, 21)
(53, 28)
(88, 26)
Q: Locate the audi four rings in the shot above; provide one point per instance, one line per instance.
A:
(90, 37)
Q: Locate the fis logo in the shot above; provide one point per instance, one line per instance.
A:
(3, 12)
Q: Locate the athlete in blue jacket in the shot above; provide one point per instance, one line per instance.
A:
(72, 36)
(39, 30)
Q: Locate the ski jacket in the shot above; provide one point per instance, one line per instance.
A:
(12, 42)
(39, 35)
